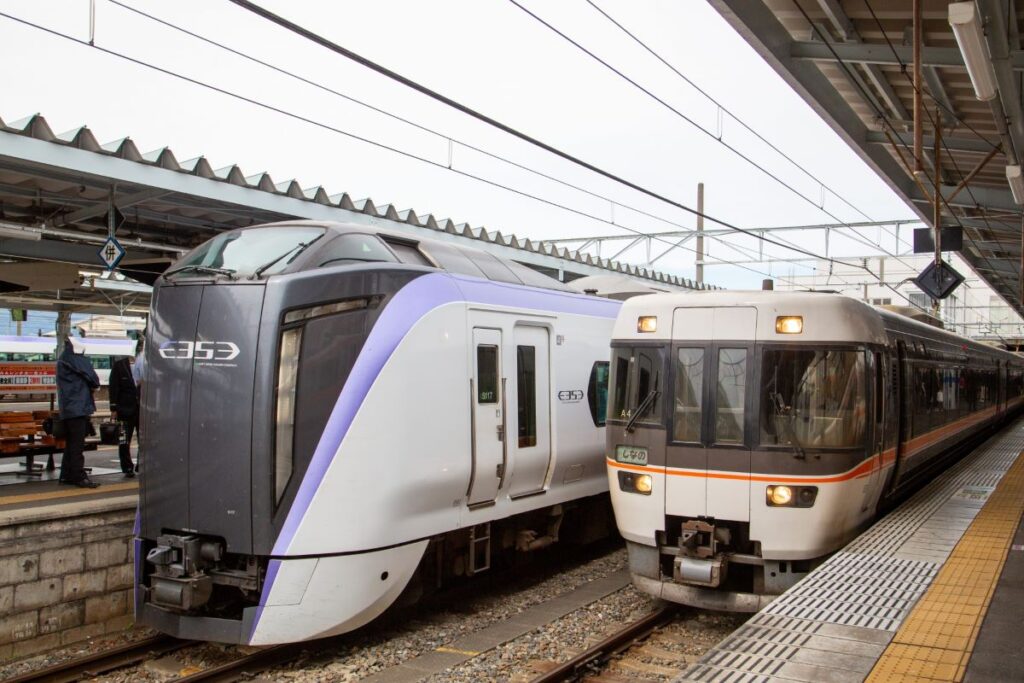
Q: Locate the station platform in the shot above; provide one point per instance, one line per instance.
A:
(931, 592)
(18, 492)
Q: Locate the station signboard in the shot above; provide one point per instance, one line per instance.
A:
(28, 378)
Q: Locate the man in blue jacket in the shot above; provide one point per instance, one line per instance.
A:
(76, 380)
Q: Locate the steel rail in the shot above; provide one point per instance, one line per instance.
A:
(599, 654)
(97, 663)
(246, 667)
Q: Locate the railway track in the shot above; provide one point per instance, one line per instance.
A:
(589, 663)
(99, 663)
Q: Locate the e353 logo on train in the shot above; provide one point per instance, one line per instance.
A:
(204, 350)
(570, 395)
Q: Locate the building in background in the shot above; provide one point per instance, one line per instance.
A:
(972, 310)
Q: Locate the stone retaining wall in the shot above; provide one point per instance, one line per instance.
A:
(66, 574)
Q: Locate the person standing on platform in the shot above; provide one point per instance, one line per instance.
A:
(76, 380)
(124, 407)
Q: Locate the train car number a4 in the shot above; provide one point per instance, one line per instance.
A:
(631, 455)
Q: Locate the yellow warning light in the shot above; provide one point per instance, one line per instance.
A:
(647, 323)
(789, 324)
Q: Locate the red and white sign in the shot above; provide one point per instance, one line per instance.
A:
(28, 378)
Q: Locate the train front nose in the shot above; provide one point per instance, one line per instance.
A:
(198, 398)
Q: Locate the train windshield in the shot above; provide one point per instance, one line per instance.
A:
(245, 252)
(636, 385)
(813, 398)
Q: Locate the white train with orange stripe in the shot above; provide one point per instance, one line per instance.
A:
(751, 434)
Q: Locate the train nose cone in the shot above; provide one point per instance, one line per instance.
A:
(198, 411)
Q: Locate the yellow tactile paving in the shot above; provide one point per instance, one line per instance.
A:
(67, 493)
(936, 640)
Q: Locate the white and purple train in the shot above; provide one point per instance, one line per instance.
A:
(334, 414)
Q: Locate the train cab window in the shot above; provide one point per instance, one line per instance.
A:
(813, 399)
(487, 374)
(526, 390)
(637, 383)
(730, 396)
(689, 394)
(354, 248)
(597, 392)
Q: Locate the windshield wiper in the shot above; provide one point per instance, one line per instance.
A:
(294, 252)
(780, 409)
(211, 270)
(641, 409)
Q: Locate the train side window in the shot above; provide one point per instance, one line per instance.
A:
(597, 392)
(689, 394)
(731, 394)
(487, 374)
(526, 390)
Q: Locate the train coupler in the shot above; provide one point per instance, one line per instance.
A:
(699, 562)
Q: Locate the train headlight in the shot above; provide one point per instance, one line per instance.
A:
(789, 324)
(779, 495)
(647, 323)
(632, 482)
(284, 427)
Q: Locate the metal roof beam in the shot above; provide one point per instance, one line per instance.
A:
(66, 252)
(882, 55)
(101, 208)
(952, 144)
(834, 11)
(989, 197)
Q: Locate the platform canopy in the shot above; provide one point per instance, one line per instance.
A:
(57, 192)
(851, 60)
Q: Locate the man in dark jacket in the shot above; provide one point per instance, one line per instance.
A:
(76, 380)
(124, 407)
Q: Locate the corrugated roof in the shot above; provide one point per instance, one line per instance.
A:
(220, 216)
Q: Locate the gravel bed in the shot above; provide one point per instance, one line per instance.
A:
(73, 651)
(432, 627)
(398, 636)
(575, 632)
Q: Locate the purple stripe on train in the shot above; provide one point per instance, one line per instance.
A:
(408, 306)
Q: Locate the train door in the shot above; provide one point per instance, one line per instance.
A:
(487, 417)
(876, 447)
(709, 451)
(531, 442)
(903, 414)
(728, 480)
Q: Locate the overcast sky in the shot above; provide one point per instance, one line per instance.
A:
(487, 54)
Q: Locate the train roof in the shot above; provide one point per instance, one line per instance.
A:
(827, 317)
(444, 255)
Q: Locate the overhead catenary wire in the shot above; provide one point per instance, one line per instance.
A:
(740, 121)
(723, 108)
(354, 136)
(338, 49)
(730, 245)
(672, 109)
(407, 121)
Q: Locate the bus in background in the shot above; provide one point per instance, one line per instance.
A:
(28, 364)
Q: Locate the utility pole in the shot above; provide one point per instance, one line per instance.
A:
(700, 233)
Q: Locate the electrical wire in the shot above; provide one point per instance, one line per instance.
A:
(742, 123)
(324, 42)
(359, 138)
(723, 108)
